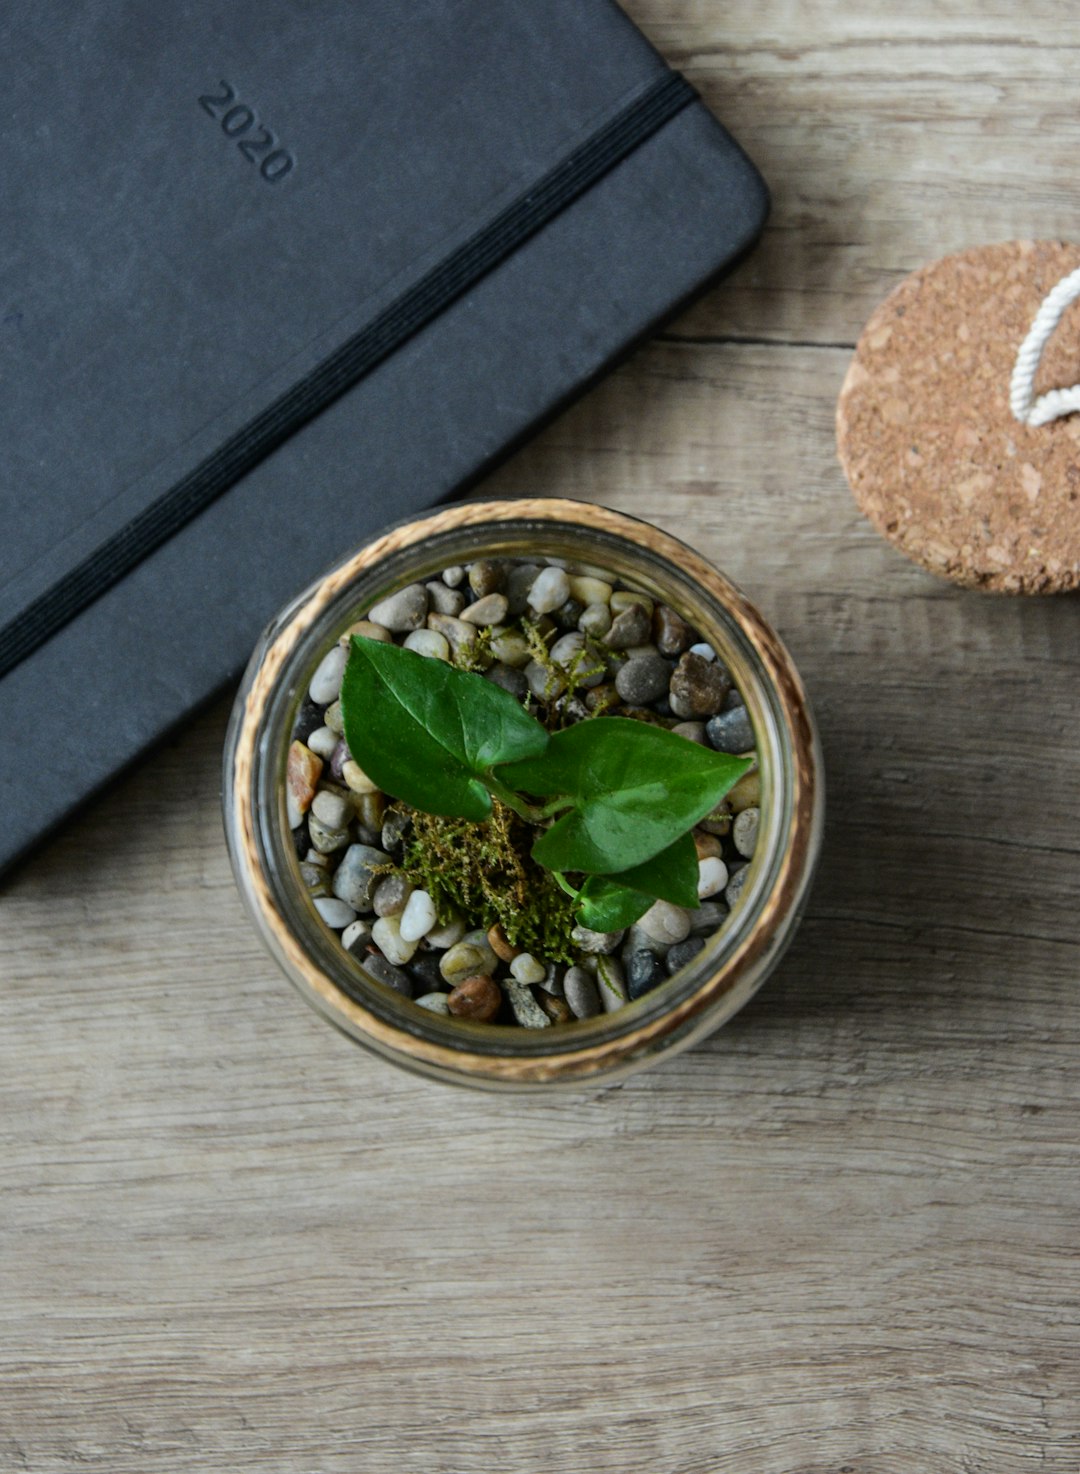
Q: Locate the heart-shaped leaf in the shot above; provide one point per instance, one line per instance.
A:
(611, 902)
(427, 733)
(634, 789)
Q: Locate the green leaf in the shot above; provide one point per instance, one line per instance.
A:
(611, 902)
(427, 733)
(608, 906)
(635, 788)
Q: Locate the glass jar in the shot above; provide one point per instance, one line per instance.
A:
(736, 959)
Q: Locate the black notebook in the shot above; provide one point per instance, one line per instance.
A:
(276, 274)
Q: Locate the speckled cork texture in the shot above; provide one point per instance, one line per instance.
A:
(925, 435)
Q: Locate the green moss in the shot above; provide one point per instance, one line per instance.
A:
(485, 872)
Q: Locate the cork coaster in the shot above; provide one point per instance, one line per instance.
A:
(926, 437)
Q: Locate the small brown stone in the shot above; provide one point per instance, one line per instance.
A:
(708, 846)
(671, 632)
(630, 628)
(486, 576)
(477, 998)
(500, 945)
(557, 1009)
(698, 686)
(303, 770)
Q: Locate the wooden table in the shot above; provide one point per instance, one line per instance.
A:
(840, 1238)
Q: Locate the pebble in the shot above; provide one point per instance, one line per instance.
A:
(747, 792)
(526, 969)
(464, 959)
(638, 940)
(708, 917)
(370, 808)
(386, 934)
(390, 896)
(429, 643)
(595, 620)
(503, 948)
(369, 630)
(644, 970)
(630, 628)
(683, 953)
(730, 731)
(587, 590)
(315, 878)
(553, 979)
(550, 588)
(478, 998)
(294, 815)
(302, 772)
(325, 839)
(527, 1011)
(581, 993)
(434, 1003)
(692, 731)
(443, 600)
(418, 916)
(557, 1009)
(705, 651)
(622, 599)
(736, 885)
(425, 972)
(385, 972)
(334, 912)
(308, 719)
(331, 809)
(333, 719)
(326, 682)
(611, 983)
(670, 631)
(543, 683)
(355, 876)
(322, 742)
(451, 577)
(406, 610)
(718, 822)
(698, 686)
(594, 942)
(518, 583)
(458, 635)
(706, 845)
(567, 615)
(355, 936)
(487, 576)
(642, 679)
(744, 832)
(510, 647)
(732, 700)
(341, 756)
(666, 922)
(447, 934)
(491, 609)
(395, 826)
(508, 678)
(479, 939)
(355, 777)
(712, 877)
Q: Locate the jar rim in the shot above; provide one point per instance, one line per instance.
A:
(671, 1015)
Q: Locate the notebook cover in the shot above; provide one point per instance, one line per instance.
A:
(159, 290)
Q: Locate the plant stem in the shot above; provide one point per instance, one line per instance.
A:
(512, 800)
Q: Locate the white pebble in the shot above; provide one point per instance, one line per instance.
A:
(294, 814)
(322, 743)
(551, 588)
(418, 917)
(326, 682)
(705, 651)
(447, 935)
(357, 779)
(334, 912)
(745, 831)
(331, 809)
(712, 876)
(429, 643)
(355, 935)
(453, 576)
(590, 590)
(527, 970)
(386, 934)
(434, 1002)
(665, 922)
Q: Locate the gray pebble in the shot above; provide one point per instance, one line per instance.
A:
(489, 610)
(385, 972)
(518, 583)
(543, 684)
(404, 611)
(632, 627)
(666, 922)
(595, 620)
(425, 969)
(736, 885)
(355, 936)
(644, 971)
(594, 942)
(731, 701)
(611, 983)
(332, 809)
(642, 679)
(744, 832)
(508, 678)
(315, 879)
(731, 731)
(444, 600)
(395, 826)
(326, 682)
(692, 731)
(324, 838)
(550, 588)
(391, 895)
(334, 912)
(527, 1011)
(708, 917)
(451, 577)
(355, 877)
(459, 634)
(434, 1003)
(683, 953)
(581, 993)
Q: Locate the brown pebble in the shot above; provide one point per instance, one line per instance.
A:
(671, 632)
(708, 846)
(630, 628)
(557, 1009)
(929, 445)
(500, 945)
(486, 576)
(478, 998)
(303, 768)
(698, 686)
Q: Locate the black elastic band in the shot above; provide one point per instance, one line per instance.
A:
(375, 342)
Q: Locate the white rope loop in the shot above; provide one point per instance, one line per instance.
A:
(1027, 409)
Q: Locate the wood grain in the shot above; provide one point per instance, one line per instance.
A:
(840, 1238)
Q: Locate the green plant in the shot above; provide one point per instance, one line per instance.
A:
(612, 801)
